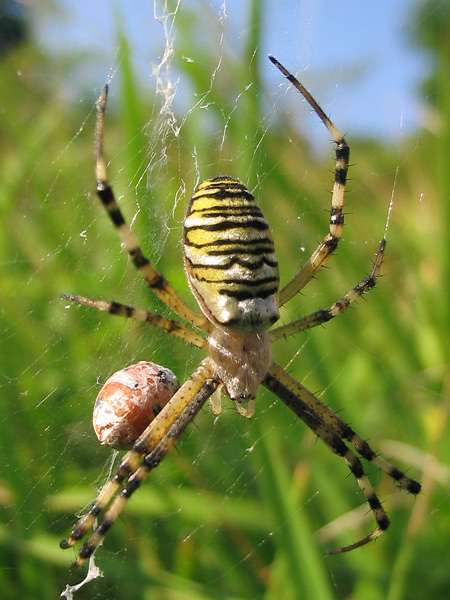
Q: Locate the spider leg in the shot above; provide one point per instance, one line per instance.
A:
(156, 282)
(156, 441)
(332, 430)
(168, 325)
(323, 252)
(149, 462)
(340, 427)
(325, 314)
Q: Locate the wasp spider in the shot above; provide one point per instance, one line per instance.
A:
(232, 270)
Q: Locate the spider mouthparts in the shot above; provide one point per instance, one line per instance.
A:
(247, 411)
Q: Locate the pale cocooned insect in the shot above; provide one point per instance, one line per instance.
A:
(129, 401)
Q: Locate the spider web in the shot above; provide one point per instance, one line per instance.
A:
(191, 106)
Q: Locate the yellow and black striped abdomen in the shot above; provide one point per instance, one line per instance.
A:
(230, 257)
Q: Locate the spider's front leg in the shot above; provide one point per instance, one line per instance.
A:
(147, 452)
(332, 430)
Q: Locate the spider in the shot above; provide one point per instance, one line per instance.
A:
(232, 270)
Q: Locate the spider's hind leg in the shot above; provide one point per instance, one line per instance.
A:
(155, 281)
(326, 314)
(139, 314)
(328, 245)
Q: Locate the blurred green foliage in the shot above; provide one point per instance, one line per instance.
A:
(243, 509)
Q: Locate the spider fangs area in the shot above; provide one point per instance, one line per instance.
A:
(232, 271)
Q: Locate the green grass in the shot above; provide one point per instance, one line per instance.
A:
(240, 509)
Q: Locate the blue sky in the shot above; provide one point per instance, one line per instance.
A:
(357, 56)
